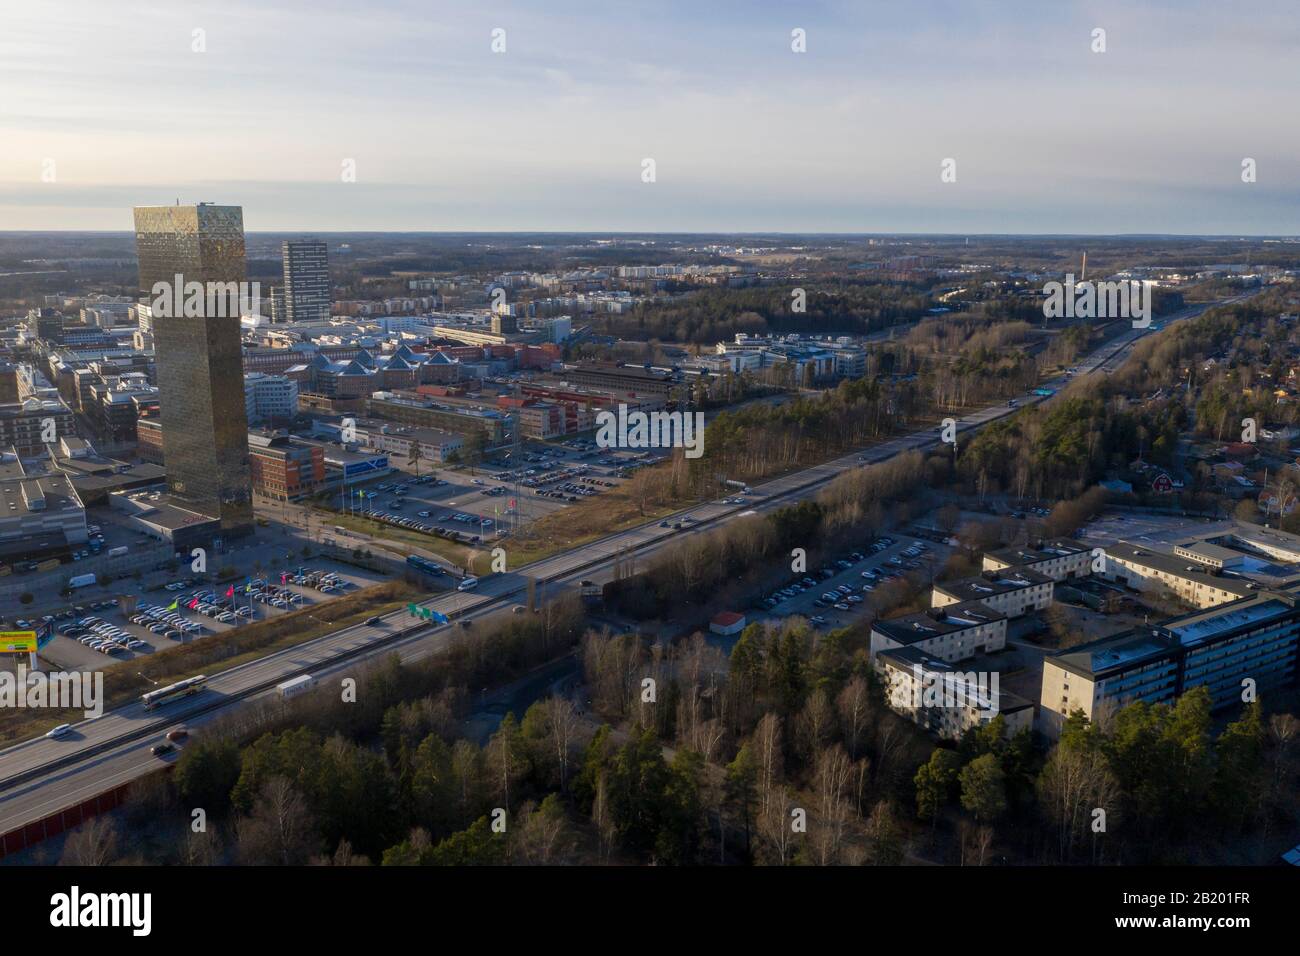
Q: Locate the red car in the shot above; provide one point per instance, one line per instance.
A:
(180, 733)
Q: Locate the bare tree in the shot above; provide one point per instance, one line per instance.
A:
(94, 843)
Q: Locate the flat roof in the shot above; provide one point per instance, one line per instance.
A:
(1106, 655)
(1172, 564)
(912, 628)
(1042, 551)
(992, 583)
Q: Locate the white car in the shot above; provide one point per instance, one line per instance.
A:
(60, 731)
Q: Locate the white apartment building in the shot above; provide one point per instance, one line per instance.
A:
(951, 633)
(1013, 593)
(1058, 558)
(1191, 582)
(947, 702)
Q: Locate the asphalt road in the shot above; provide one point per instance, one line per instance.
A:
(40, 776)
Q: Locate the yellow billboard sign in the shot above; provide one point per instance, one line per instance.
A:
(17, 642)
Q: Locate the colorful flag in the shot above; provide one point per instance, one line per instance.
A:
(231, 591)
(194, 603)
(175, 604)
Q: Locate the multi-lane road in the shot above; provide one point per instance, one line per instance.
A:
(40, 776)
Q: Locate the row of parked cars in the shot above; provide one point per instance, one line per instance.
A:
(99, 635)
(451, 534)
(159, 620)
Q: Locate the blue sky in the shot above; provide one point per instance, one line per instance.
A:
(746, 135)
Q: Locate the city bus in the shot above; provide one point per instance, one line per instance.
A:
(183, 688)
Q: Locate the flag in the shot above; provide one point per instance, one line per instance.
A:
(231, 591)
(194, 603)
(284, 577)
(175, 604)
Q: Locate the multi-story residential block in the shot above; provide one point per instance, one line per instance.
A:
(1250, 644)
(945, 701)
(1010, 592)
(1190, 581)
(28, 426)
(950, 633)
(1058, 558)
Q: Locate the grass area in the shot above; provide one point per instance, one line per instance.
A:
(219, 652)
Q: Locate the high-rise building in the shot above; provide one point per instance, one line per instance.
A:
(306, 280)
(200, 372)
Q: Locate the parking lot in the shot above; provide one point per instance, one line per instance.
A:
(485, 506)
(92, 635)
(835, 594)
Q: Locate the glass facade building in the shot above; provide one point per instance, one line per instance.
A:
(199, 358)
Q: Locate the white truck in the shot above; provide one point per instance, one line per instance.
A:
(81, 580)
(295, 686)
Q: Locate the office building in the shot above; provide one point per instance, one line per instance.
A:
(270, 398)
(200, 376)
(306, 281)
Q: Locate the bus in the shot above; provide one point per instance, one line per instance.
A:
(182, 688)
(467, 584)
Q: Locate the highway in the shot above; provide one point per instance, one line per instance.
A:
(40, 776)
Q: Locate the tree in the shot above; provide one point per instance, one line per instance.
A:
(983, 791)
(740, 789)
(94, 843)
(207, 772)
(1075, 783)
(884, 836)
(280, 829)
(934, 782)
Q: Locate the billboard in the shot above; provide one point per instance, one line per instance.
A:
(17, 642)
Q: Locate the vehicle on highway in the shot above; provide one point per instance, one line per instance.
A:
(295, 686)
(159, 750)
(468, 584)
(374, 621)
(60, 731)
(180, 733)
(165, 695)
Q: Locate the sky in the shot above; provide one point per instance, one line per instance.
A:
(109, 104)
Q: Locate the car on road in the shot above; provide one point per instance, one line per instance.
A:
(60, 731)
(374, 621)
(162, 749)
(180, 733)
